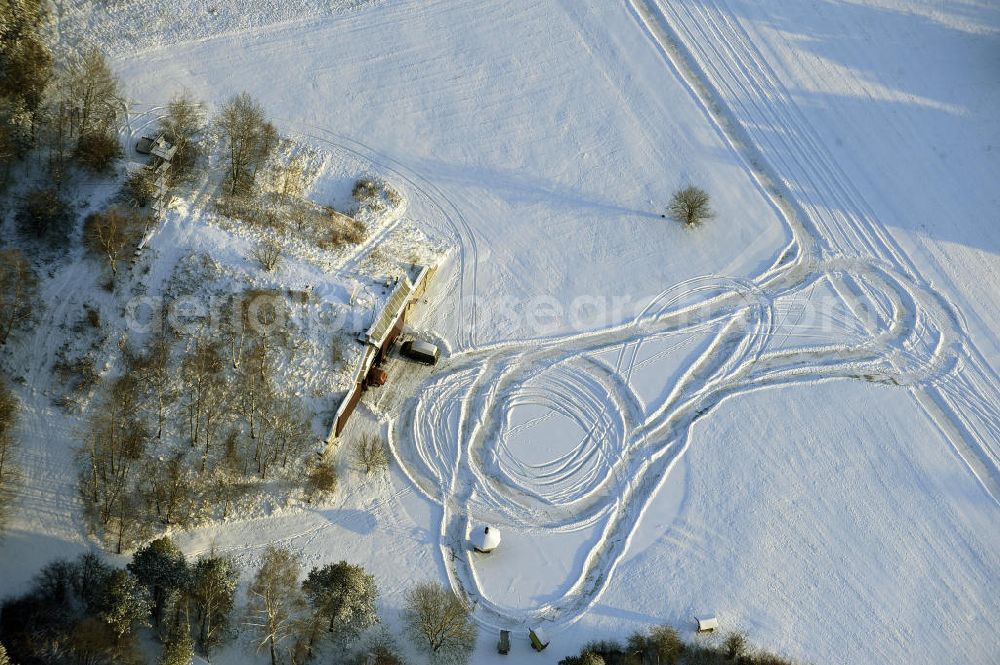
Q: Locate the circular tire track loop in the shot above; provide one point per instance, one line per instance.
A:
(474, 475)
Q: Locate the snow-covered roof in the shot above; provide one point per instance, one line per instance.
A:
(390, 313)
(707, 623)
(420, 346)
(163, 150)
(485, 539)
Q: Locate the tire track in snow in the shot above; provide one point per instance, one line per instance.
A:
(718, 52)
(736, 361)
(466, 242)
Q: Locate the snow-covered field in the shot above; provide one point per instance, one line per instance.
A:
(789, 416)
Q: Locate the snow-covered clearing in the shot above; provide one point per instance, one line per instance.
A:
(788, 416)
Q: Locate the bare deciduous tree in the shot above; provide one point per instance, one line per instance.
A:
(256, 316)
(18, 291)
(92, 91)
(690, 206)
(184, 120)
(284, 434)
(293, 177)
(114, 444)
(167, 488)
(254, 384)
(234, 328)
(57, 138)
(25, 71)
(268, 254)
(206, 389)
(267, 141)
(82, 115)
(8, 447)
(662, 642)
(8, 154)
(274, 600)
(152, 370)
(112, 234)
(440, 622)
(735, 646)
(250, 138)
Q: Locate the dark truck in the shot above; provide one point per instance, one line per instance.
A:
(421, 351)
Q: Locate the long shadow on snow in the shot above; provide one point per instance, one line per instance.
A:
(936, 130)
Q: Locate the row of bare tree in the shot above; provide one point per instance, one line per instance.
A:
(176, 435)
(9, 408)
(18, 292)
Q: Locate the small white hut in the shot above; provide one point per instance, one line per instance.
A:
(707, 624)
(486, 540)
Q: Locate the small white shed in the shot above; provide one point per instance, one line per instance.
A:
(486, 539)
(707, 624)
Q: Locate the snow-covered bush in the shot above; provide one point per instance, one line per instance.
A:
(322, 478)
(267, 253)
(138, 189)
(364, 190)
(663, 645)
(735, 646)
(378, 649)
(340, 230)
(374, 195)
(370, 453)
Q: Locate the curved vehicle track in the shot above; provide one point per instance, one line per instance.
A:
(451, 443)
(720, 62)
(451, 437)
